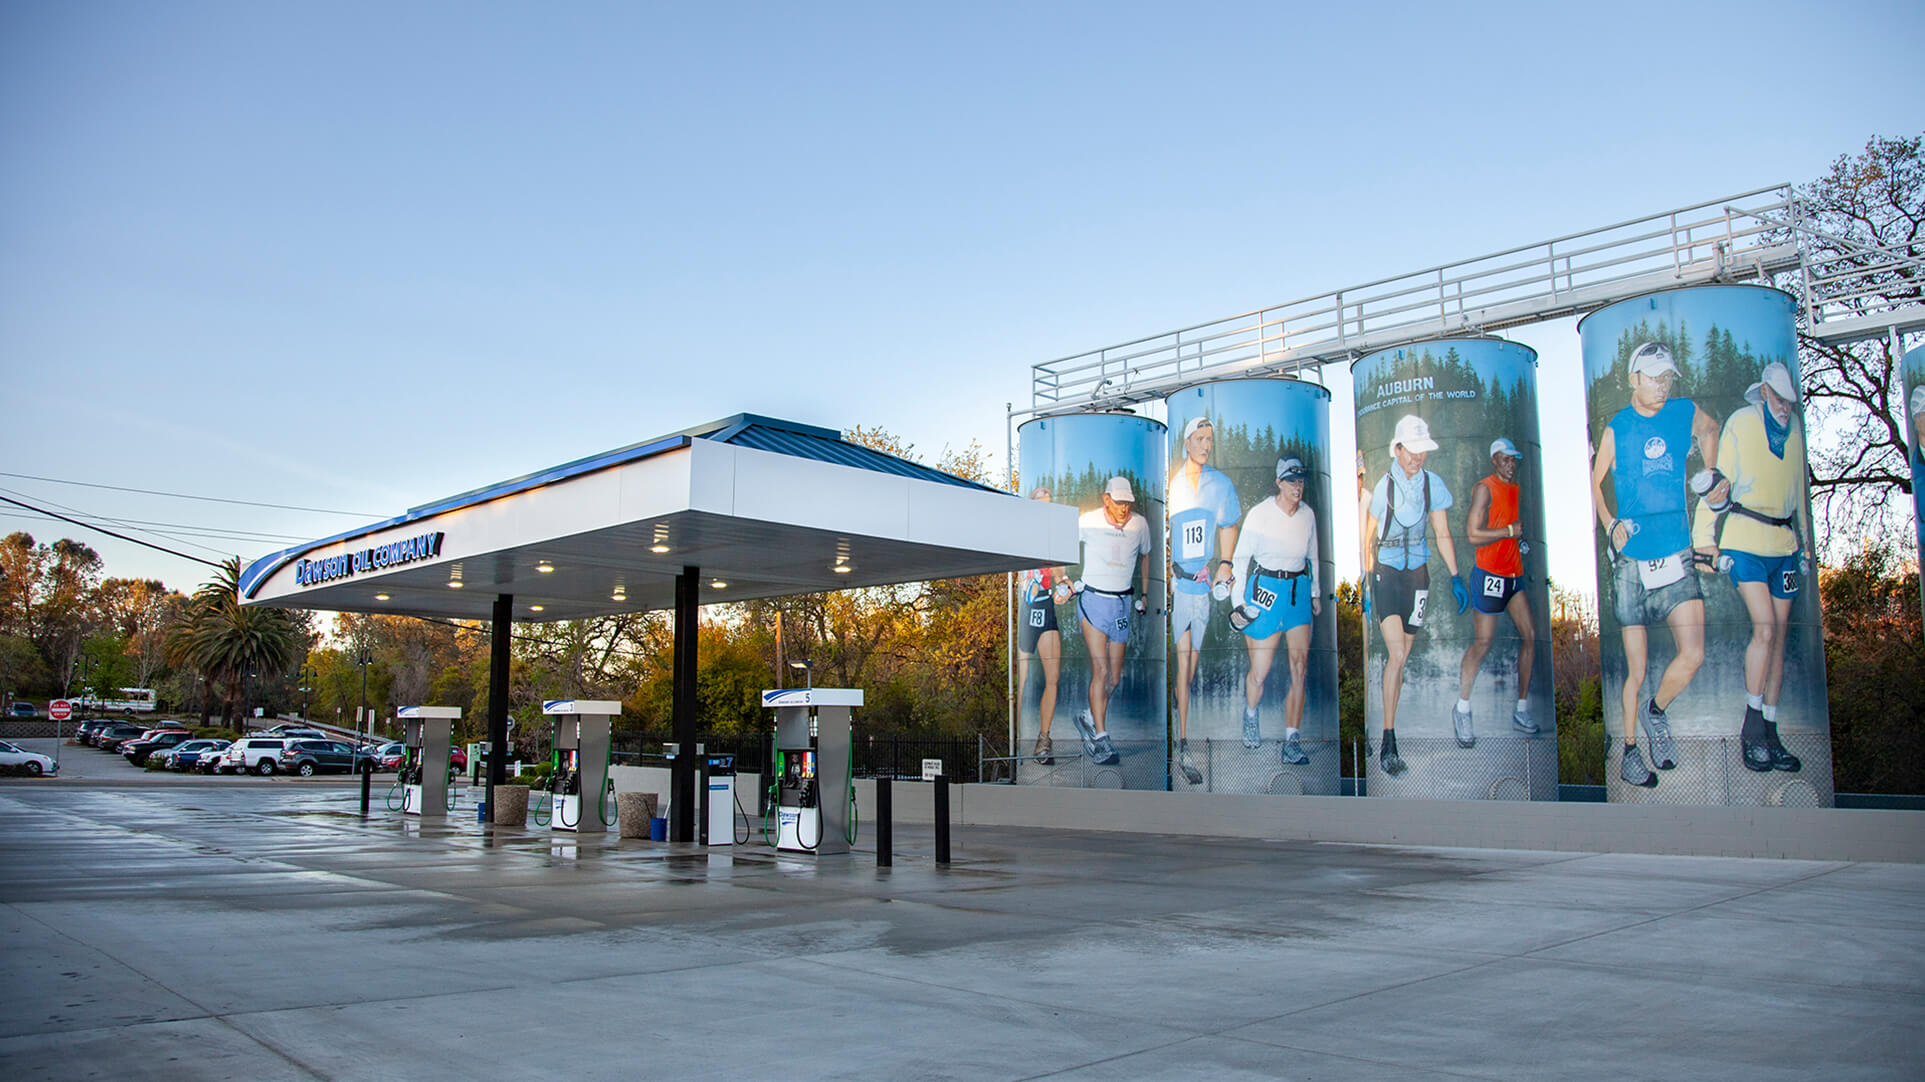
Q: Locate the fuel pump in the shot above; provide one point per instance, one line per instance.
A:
(719, 785)
(582, 792)
(426, 733)
(811, 793)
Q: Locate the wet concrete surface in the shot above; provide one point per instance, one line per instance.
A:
(228, 928)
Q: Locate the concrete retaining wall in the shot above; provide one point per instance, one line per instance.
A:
(1792, 833)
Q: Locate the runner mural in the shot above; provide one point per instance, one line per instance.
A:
(1713, 648)
(1253, 662)
(1090, 643)
(1456, 618)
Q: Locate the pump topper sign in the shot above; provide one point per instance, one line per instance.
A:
(376, 558)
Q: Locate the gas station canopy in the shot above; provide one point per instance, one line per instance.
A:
(764, 508)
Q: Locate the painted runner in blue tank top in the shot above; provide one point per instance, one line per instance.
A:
(1400, 539)
(1649, 477)
(1196, 514)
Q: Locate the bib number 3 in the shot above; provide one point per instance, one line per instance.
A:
(1417, 604)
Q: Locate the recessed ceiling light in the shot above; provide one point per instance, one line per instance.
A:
(536, 608)
(658, 549)
(380, 597)
(454, 584)
(719, 584)
(843, 569)
(618, 596)
(544, 567)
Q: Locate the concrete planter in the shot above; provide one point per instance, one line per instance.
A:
(511, 805)
(633, 811)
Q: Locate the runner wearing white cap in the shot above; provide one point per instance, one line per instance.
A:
(1116, 550)
(1495, 527)
(1203, 526)
(1406, 502)
(1759, 532)
(1654, 565)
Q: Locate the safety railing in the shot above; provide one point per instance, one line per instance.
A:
(1739, 237)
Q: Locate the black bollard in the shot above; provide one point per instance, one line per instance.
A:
(367, 783)
(942, 819)
(885, 833)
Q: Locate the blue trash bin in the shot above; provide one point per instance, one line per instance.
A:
(657, 829)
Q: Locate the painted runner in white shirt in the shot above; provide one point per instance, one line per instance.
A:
(1277, 541)
(1109, 552)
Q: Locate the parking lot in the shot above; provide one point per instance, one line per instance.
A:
(250, 929)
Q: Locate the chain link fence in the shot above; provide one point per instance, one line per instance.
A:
(1227, 766)
(1497, 768)
(1711, 770)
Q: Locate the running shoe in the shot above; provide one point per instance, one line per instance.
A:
(1633, 770)
(1521, 721)
(1656, 732)
(1780, 758)
(1252, 736)
(1460, 724)
(1101, 753)
(1187, 765)
(1045, 750)
(1392, 762)
(1293, 752)
(1086, 725)
(1755, 750)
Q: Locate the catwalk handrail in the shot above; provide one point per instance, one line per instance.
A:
(1751, 234)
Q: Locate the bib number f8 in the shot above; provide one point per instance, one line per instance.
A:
(1037, 616)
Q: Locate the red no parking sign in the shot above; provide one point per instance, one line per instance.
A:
(60, 710)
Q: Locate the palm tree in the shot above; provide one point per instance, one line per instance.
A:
(222, 639)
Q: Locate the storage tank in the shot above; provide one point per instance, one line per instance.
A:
(1089, 653)
(1253, 629)
(1458, 689)
(1712, 644)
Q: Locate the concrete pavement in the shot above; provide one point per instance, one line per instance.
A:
(249, 931)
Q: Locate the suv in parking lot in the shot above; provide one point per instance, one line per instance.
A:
(115, 733)
(261, 754)
(307, 757)
(137, 751)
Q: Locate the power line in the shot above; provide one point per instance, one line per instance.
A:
(115, 521)
(187, 496)
(191, 530)
(110, 533)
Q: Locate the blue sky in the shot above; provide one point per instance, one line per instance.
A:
(359, 256)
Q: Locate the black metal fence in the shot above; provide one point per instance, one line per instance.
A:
(875, 756)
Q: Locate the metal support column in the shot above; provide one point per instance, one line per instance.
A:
(499, 634)
(681, 827)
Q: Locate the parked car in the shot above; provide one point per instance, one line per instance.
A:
(17, 759)
(88, 731)
(259, 754)
(187, 754)
(137, 751)
(23, 709)
(113, 734)
(309, 757)
(458, 758)
(389, 756)
(295, 732)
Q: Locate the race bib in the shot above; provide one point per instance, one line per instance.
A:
(1788, 584)
(1493, 586)
(1037, 616)
(1123, 625)
(1417, 608)
(1194, 542)
(1659, 573)
(1262, 598)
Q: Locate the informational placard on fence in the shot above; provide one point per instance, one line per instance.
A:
(931, 769)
